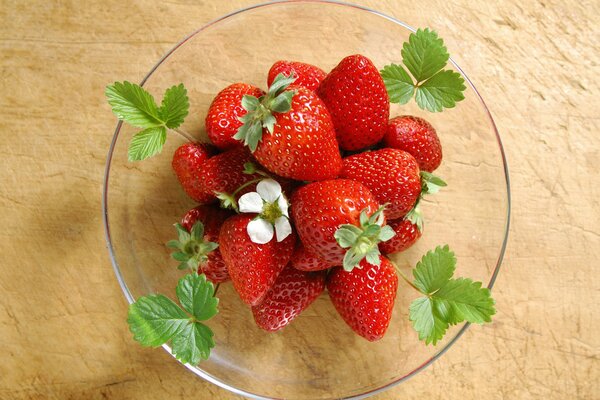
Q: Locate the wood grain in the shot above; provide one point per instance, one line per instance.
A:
(62, 313)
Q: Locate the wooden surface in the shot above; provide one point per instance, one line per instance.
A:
(62, 316)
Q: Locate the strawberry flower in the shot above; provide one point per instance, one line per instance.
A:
(272, 208)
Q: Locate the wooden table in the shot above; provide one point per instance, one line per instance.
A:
(62, 329)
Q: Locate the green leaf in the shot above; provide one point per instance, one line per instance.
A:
(426, 321)
(249, 168)
(269, 123)
(447, 311)
(373, 257)
(472, 301)
(254, 135)
(345, 237)
(399, 85)
(424, 54)
(182, 234)
(283, 102)
(133, 104)
(196, 295)
(386, 233)
(351, 259)
(372, 230)
(174, 244)
(415, 216)
(175, 106)
(197, 232)
(443, 90)
(155, 319)
(147, 143)
(193, 343)
(363, 218)
(434, 270)
(280, 83)
(250, 103)
(180, 256)
(431, 183)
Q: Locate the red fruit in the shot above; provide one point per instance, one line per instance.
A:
(212, 218)
(392, 176)
(224, 173)
(319, 208)
(188, 161)
(222, 118)
(304, 260)
(416, 136)
(303, 144)
(365, 296)
(358, 102)
(253, 267)
(291, 294)
(307, 75)
(407, 234)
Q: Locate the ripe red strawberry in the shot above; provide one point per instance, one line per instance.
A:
(188, 161)
(304, 260)
(291, 294)
(224, 173)
(307, 75)
(392, 176)
(212, 218)
(416, 136)
(253, 267)
(222, 118)
(365, 296)
(407, 234)
(291, 134)
(358, 102)
(320, 208)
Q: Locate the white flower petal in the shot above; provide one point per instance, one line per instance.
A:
(269, 190)
(250, 203)
(283, 228)
(260, 231)
(283, 205)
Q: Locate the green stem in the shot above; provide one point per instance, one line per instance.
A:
(403, 276)
(183, 133)
(245, 185)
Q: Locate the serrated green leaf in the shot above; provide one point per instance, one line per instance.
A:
(254, 135)
(472, 301)
(193, 343)
(155, 319)
(372, 230)
(351, 260)
(195, 294)
(182, 234)
(175, 106)
(398, 83)
(431, 183)
(434, 269)
(345, 237)
(269, 123)
(447, 311)
(181, 257)
(280, 83)
(147, 143)
(363, 218)
(425, 320)
(443, 90)
(133, 104)
(415, 216)
(197, 232)
(424, 54)
(174, 244)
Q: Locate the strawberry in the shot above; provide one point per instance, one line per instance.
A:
(392, 176)
(307, 75)
(292, 293)
(365, 296)
(203, 224)
(188, 161)
(224, 173)
(407, 234)
(304, 260)
(253, 267)
(290, 133)
(321, 210)
(222, 120)
(357, 100)
(416, 136)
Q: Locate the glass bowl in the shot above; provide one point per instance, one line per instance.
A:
(317, 356)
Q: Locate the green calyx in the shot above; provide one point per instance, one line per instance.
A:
(260, 111)
(191, 250)
(362, 241)
(430, 184)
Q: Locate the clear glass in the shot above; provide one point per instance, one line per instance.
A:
(317, 356)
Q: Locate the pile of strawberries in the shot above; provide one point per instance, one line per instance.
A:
(322, 144)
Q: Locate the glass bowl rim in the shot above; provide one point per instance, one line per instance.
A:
(130, 299)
